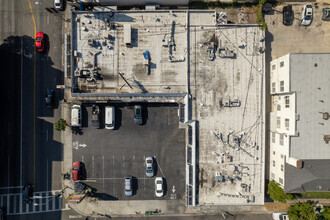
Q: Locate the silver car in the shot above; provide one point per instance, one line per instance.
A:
(128, 186)
(307, 15)
(149, 167)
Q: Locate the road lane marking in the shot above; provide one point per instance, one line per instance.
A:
(21, 141)
(34, 98)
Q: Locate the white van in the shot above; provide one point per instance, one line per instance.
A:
(76, 116)
(110, 117)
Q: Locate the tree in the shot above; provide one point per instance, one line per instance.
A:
(60, 125)
(277, 193)
(326, 213)
(302, 211)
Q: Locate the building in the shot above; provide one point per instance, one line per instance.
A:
(299, 126)
(214, 71)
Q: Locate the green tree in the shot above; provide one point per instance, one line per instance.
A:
(302, 211)
(276, 192)
(60, 125)
(326, 213)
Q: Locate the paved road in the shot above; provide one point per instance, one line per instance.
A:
(30, 153)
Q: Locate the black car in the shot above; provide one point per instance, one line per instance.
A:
(326, 14)
(27, 193)
(95, 116)
(49, 99)
(287, 15)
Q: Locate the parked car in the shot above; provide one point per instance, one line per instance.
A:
(128, 186)
(2, 213)
(27, 193)
(138, 118)
(59, 5)
(95, 116)
(49, 99)
(149, 167)
(307, 15)
(287, 15)
(280, 216)
(40, 42)
(326, 14)
(76, 171)
(159, 186)
(76, 116)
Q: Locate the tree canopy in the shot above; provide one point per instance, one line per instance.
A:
(276, 192)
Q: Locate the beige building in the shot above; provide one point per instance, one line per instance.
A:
(299, 126)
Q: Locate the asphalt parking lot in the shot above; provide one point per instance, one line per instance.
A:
(111, 155)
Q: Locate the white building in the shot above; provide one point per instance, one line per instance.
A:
(299, 125)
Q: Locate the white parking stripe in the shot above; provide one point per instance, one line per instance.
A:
(93, 166)
(8, 206)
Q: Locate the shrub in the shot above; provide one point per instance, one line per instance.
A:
(276, 192)
(60, 125)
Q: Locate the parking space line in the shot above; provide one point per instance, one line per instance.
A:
(82, 158)
(159, 167)
(103, 174)
(93, 166)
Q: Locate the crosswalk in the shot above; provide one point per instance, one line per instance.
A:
(47, 201)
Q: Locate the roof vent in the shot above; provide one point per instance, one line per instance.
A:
(315, 64)
(300, 164)
(326, 138)
(326, 115)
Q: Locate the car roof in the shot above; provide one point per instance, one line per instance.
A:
(40, 34)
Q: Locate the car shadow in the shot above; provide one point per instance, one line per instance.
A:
(105, 197)
(83, 171)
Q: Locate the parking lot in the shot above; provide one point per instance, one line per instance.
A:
(111, 155)
(281, 39)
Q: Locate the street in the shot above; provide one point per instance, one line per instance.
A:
(31, 152)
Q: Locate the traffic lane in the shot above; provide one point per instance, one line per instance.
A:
(48, 74)
(125, 150)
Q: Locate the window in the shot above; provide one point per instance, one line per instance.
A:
(287, 102)
(287, 123)
(280, 180)
(281, 139)
(273, 67)
(273, 152)
(273, 137)
(273, 163)
(282, 156)
(273, 87)
(278, 107)
(282, 167)
(282, 64)
(272, 175)
(282, 86)
(278, 122)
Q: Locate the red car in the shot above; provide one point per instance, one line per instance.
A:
(40, 42)
(76, 171)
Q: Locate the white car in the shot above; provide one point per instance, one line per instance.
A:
(159, 186)
(307, 15)
(149, 167)
(280, 216)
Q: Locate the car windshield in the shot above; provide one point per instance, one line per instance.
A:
(159, 191)
(159, 182)
(307, 17)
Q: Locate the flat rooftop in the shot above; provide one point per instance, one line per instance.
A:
(98, 39)
(229, 106)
